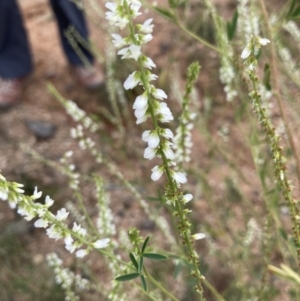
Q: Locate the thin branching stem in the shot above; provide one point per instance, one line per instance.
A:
(277, 90)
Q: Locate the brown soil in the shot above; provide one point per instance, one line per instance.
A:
(38, 104)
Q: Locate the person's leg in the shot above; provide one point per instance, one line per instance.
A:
(15, 58)
(68, 14)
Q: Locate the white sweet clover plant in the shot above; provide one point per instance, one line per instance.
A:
(151, 105)
(76, 239)
(70, 282)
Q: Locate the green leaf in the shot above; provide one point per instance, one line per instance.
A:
(144, 283)
(267, 75)
(291, 8)
(183, 2)
(296, 13)
(127, 277)
(134, 261)
(172, 3)
(155, 256)
(141, 264)
(234, 22)
(231, 26)
(145, 244)
(228, 25)
(177, 270)
(283, 233)
(164, 12)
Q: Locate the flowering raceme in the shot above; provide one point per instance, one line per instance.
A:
(55, 225)
(148, 104)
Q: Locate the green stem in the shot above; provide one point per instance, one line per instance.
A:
(278, 159)
(187, 31)
(185, 231)
(157, 284)
(277, 91)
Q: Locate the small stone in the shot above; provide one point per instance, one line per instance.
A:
(147, 225)
(41, 129)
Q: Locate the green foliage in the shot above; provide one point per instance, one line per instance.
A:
(267, 77)
(240, 164)
(231, 26)
(128, 277)
(155, 256)
(164, 12)
(294, 11)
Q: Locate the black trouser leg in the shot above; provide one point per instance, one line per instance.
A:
(15, 57)
(67, 14)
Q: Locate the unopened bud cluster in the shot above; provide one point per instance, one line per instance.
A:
(272, 138)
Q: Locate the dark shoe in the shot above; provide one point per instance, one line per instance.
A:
(10, 91)
(89, 77)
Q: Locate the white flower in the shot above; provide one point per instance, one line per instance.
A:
(159, 93)
(81, 253)
(163, 112)
(62, 214)
(71, 248)
(114, 17)
(141, 101)
(149, 153)
(133, 51)
(41, 223)
(141, 119)
(53, 232)
(263, 41)
(78, 229)
(36, 194)
(146, 27)
(135, 1)
(69, 154)
(3, 195)
(135, 9)
(72, 167)
(187, 198)
(153, 139)
(68, 240)
(145, 135)
(178, 177)
(198, 236)
(101, 243)
(246, 52)
(111, 6)
(151, 77)
(48, 201)
(167, 133)
(144, 39)
(140, 113)
(18, 189)
(157, 172)
(28, 213)
(148, 63)
(118, 41)
(132, 80)
(168, 151)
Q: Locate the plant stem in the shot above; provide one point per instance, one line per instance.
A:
(277, 91)
(280, 169)
(157, 284)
